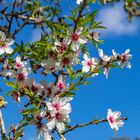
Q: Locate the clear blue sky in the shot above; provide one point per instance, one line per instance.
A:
(119, 92)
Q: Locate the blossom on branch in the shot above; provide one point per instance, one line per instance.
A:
(124, 59)
(19, 64)
(59, 109)
(114, 119)
(105, 61)
(5, 44)
(88, 64)
(76, 38)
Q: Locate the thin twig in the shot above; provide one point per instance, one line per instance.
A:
(88, 123)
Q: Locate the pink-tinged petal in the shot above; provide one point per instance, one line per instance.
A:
(86, 57)
(85, 68)
(100, 51)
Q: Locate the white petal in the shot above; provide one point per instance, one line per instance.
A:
(85, 68)
(86, 57)
(10, 41)
(127, 51)
(75, 46)
(8, 50)
(82, 40)
(2, 51)
(79, 30)
(60, 126)
(51, 124)
(100, 51)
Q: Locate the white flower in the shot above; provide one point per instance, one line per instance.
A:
(79, 1)
(114, 119)
(5, 44)
(61, 85)
(19, 64)
(76, 38)
(89, 63)
(49, 89)
(124, 59)
(33, 86)
(68, 60)
(95, 36)
(61, 46)
(43, 131)
(59, 109)
(104, 58)
(50, 65)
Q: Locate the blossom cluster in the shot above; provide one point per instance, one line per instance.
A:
(51, 98)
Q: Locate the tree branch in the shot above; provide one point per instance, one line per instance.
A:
(3, 132)
(88, 123)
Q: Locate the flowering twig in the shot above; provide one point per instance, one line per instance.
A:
(88, 123)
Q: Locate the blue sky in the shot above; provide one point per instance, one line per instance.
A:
(119, 92)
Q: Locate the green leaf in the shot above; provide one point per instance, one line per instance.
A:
(8, 93)
(86, 83)
(11, 84)
(28, 111)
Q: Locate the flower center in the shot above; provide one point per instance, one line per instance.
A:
(60, 85)
(111, 119)
(74, 36)
(58, 116)
(34, 88)
(18, 65)
(66, 61)
(20, 76)
(90, 63)
(57, 106)
(4, 46)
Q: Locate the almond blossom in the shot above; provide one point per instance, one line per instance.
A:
(104, 59)
(5, 44)
(68, 60)
(42, 129)
(88, 64)
(95, 36)
(114, 119)
(50, 64)
(76, 38)
(59, 109)
(19, 64)
(49, 89)
(61, 46)
(33, 86)
(124, 59)
(61, 85)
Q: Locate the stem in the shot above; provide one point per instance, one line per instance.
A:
(88, 123)
(80, 14)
